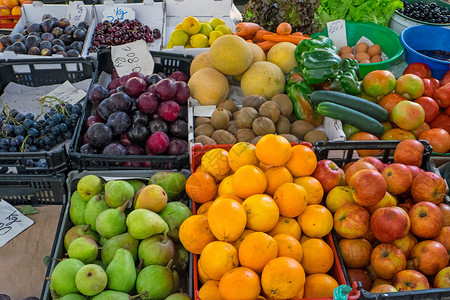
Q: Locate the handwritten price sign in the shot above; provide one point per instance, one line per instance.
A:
(132, 57)
(76, 12)
(12, 222)
(337, 33)
(118, 13)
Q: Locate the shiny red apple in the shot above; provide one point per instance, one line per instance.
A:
(360, 275)
(351, 221)
(368, 187)
(406, 244)
(410, 280)
(355, 252)
(374, 161)
(428, 186)
(427, 220)
(429, 257)
(442, 278)
(398, 178)
(389, 224)
(387, 260)
(329, 174)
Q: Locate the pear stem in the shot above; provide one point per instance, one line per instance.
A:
(170, 264)
(124, 206)
(137, 296)
(47, 278)
(85, 228)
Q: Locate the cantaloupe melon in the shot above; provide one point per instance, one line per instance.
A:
(230, 55)
(263, 78)
(208, 86)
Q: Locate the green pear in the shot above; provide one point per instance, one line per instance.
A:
(111, 222)
(156, 250)
(89, 186)
(136, 184)
(73, 297)
(119, 241)
(176, 282)
(121, 272)
(79, 231)
(181, 258)
(99, 263)
(179, 296)
(91, 280)
(118, 192)
(94, 207)
(156, 280)
(63, 276)
(174, 215)
(77, 208)
(84, 249)
(143, 223)
(172, 182)
(113, 295)
(53, 293)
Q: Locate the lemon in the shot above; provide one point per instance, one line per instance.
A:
(199, 41)
(191, 25)
(178, 26)
(179, 37)
(224, 29)
(214, 35)
(169, 45)
(214, 22)
(206, 29)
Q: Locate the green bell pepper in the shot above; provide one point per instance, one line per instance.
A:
(319, 65)
(349, 84)
(299, 94)
(295, 75)
(351, 65)
(320, 42)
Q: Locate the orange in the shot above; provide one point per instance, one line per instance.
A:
(225, 186)
(289, 246)
(231, 196)
(256, 250)
(291, 199)
(242, 154)
(217, 258)
(5, 11)
(304, 238)
(210, 291)
(317, 256)
(239, 283)
(201, 274)
(215, 162)
(16, 11)
(282, 278)
(249, 180)
(227, 219)
(199, 169)
(365, 136)
(316, 221)
(201, 187)
(273, 150)
(264, 167)
(313, 187)
(320, 286)
(11, 3)
(300, 294)
(303, 161)
(286, 225)
(195, 233)
(203, 209)
(262, 212)
(276, 176)
(237, 243)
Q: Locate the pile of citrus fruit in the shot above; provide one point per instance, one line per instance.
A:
(259, 227)
(11, 7)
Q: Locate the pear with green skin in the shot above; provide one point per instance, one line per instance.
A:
(156, 280)
(91, 280)
(63, 276)
(102, 241)
(73, 297)
(173, 183)
(113, 295)
(143, 223)
(99, 263)
(174, 215)
(84, 249)
(79, 231)
(181, 258)
(118, 192)
(119, 241)
(94, 207)
(136, 184)
(178, 296)
(121, 272)
(89, 186)
(77, 209)
(156, 250)
(176, 281)
(111, 222)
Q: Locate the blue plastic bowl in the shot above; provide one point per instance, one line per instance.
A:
(424, 37)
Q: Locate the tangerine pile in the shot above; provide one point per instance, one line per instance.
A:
(11, 7)
(255, 202)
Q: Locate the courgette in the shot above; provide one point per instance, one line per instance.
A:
(359, 104)
(350, 116)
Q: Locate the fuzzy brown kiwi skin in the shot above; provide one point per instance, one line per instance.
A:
(270, 110)
(284, 104)
(300, 128)
(201, 120)
(204, 140)
(263, 126)
(246, 116)
(283, 125)
(254, 101)
(228, 105)
(256, 139)
(291, 138)
(204, 129)
(232, 127)
(220, 118)
(245, 135)
(223, 137)
(314, 136)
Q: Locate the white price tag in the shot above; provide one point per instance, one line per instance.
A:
(120, 13)
(12, 222)
(337, 33)
(132, 57)
(67, 93)
(76, 12)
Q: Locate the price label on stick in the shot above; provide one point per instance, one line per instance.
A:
(12, 222)
(337, 33)
(76, 12)
(120, 13)
(132, 57)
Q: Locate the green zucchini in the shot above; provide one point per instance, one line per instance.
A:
(362, 105)
(350, 116)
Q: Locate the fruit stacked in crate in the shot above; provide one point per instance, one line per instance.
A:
(11, 8)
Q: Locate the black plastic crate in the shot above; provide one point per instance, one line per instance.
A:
(323, 150)
(164, 62)
(35, 73)
(72, 180)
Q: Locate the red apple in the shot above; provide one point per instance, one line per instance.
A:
(371, 272)
(357, 166)
(442, 279)
(360, 275)
(389, 224)
(445, 208)
(406, 206)
(347, 165)
(368, 187)
(398, 178)
(380, 281)
(351, 221)
(409, 152)
(410, 280)
(387, 201)
(369, 236)
(427, 220)
(410, 265)
(355, 252)
(444, 237)
(406, 244)
(415, 170)
(337, 197)
(374, 161)
(329, 174)
(387, 260)
(429, 257)
(384, 288)
(428, 186)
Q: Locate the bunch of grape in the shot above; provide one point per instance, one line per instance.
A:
(431, 13)
(122, 32)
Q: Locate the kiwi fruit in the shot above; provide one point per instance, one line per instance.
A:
(246, 116)
(223, 137)
(263, 126)
(245, 135)
(204, 129)
(300, 127)
(292, 118)
(228, 105)
(314, 136)
(284, 104)
(235, 115)
(201, 120)
(220, 118)
(291, 138)
(270, 110)
(232, 127)
(283, 125)
(204, 140)
(256, 139)
(254, 101)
